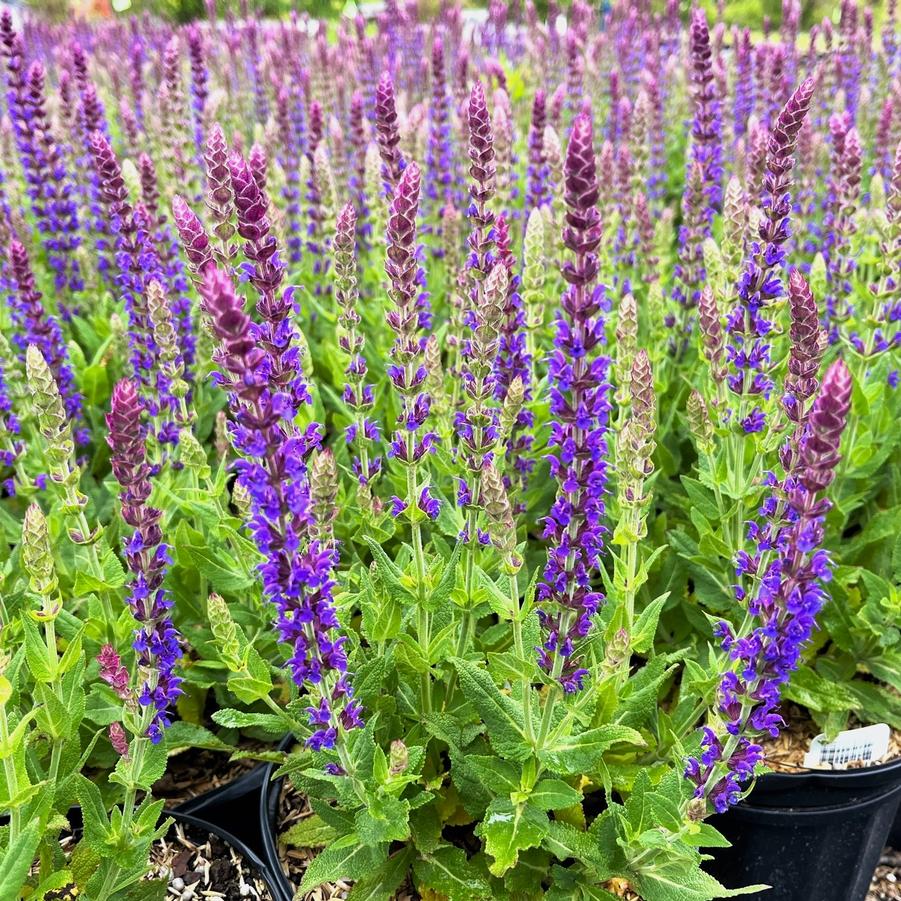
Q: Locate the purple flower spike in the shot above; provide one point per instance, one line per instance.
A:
(34, 325)
(580, 405)
(387, 134)
(156, 639)
(760, 285)
(297, 569)
(787, 571)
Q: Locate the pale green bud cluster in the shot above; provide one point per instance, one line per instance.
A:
(37, 556)
(501, 525)
(534, 271)
(166, 339)
(59, 448)
(699, 422)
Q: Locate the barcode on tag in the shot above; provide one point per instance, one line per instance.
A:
(864, 745)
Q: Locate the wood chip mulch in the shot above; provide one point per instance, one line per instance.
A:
(785, 754)
(886, 884)
(201, 867)
(294, 807)
(195, 771)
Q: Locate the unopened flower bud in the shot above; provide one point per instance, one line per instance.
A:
(398, 758)
(699, 422)
(37, 557)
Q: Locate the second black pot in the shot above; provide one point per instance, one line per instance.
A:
(806, 853)
(268, 824)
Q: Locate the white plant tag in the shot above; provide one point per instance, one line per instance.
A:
(863, 745)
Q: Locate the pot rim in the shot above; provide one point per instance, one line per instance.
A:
(849, 775)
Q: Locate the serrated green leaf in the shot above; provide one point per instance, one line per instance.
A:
(17, 860)
(579, 754)
(384, 882)
(509, 828)
(501, 715)
(448, 871)
(384, 819)
(345, 859)
(677, 882)
(553, 794)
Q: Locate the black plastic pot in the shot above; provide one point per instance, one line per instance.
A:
(232, 807)
(248, 854)
(813, 836)
(825, 788)
(268, 821)
(894, 837)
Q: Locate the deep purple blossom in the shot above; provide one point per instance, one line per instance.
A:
(785, 594)
(156, 639)
(297, 569)
(580, 406)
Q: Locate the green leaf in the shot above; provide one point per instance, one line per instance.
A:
(239, 719)
(193, 553)
(448, 871)
(17, 860)
(501, 715)
(345, 859)
(310, 832)
(384, 819)
(189, 735)
(382, 884)
(495, 774)
(646, 625)
(36, 654)
(438, 596)
(680, 881)
(579, 754)
(389, 573)
(509, 828)
(553, 794)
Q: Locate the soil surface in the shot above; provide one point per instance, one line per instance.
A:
(199, 866)
(195, 771)
(886, 885)
(786, 753)
(292, 808)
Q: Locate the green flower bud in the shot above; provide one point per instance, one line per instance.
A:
(398, 758)
(501, 525)
(37, 558)
(626, 342)
(241, 500)
(220, 435)
(735, 225)
(877, 192)
(192, 454)
(699, 422)
(59, 449)
(534, 270)
(324, 493)
(166, 339)
(516, 392)
(224, 632)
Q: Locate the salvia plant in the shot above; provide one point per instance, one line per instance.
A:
(499, 422)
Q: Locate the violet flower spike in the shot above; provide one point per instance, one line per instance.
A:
(156, 639)
(788, 574)
(580, 405)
